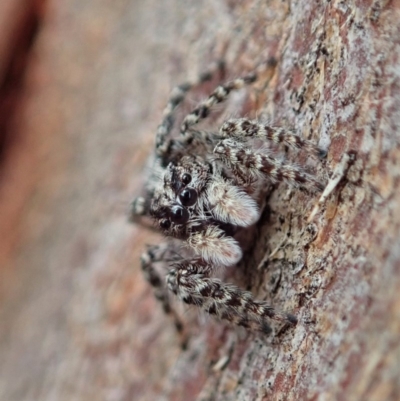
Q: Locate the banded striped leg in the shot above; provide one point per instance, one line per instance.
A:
(154, 254)
(176, 97)
(249, 166)
(191, 282)
(220, 94)
(242, 129)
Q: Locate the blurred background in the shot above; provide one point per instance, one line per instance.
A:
(79, 80)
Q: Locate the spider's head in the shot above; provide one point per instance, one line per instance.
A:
(177, 204)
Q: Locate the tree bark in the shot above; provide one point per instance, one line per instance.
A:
(78, 321)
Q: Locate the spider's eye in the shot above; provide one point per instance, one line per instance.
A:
(165, 224)
(179, 215)
(188, 196)
(186, 178)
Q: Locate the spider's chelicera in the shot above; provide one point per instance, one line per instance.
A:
(203, 188)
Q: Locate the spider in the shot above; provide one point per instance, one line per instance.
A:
(203, 189)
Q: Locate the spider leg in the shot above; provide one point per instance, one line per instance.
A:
(220, 94)
(191, 282)
(176, 97)
(243, 129)
(154, 254)
(248, 165)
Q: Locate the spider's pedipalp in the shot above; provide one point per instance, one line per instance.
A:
(214, 246)
(230, 204)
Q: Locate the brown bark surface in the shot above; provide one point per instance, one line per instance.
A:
(78, 321)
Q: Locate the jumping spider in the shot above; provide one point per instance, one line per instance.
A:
(203, 188)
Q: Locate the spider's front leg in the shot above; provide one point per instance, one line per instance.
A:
(191, 282)
(249, 165)
(242, 129)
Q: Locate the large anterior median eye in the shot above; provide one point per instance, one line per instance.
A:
(188, 196)
(179, 215)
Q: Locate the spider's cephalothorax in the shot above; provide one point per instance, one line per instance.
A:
(204, 187)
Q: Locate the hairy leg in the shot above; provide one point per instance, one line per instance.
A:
(248, 165)
(191, 282)
(160, 253)
(177, 96)
(220, 94)
(242, 129)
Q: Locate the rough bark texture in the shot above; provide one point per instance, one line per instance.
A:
(78, 322)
